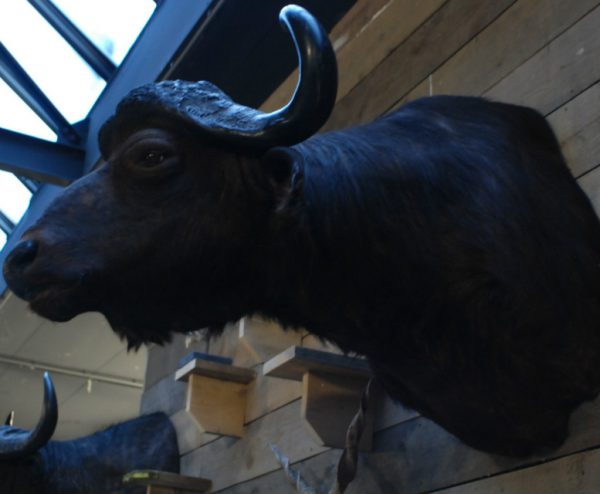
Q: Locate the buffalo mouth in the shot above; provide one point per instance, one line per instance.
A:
(50, 293)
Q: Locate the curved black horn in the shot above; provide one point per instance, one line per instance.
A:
(16, 443)
(315, 93)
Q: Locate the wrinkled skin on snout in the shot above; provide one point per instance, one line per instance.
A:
(149, 234)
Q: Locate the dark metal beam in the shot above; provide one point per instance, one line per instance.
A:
(20, 82)
(6, 225)
(103, 65)
(31, 185)
(38, 159)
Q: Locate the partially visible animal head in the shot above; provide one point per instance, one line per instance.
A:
(30, 463)
(185, 196)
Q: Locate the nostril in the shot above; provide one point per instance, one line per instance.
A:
(22, 255)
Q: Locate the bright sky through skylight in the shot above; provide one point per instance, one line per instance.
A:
(71, 85)
(14, 198)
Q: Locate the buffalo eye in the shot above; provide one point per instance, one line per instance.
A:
(152, 158)
(151, 153)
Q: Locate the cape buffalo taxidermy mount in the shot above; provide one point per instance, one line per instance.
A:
(446, 241)
(30, 463)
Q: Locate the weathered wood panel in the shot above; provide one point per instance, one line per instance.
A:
(418, 456)
(577, 126)
(228, 461)
(436, 40)
(576, 474)
(506, 44)
(563, 69)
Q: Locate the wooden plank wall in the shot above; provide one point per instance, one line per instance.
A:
(542, 53)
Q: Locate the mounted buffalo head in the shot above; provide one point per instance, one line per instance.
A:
(446, 241)
(172, 193)
(32, 464)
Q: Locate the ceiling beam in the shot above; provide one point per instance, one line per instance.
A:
(38, 159)
(6, 225)
(21, 83)
(95, 58)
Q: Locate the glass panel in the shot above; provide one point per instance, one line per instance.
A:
(64, 77)
(14, 196)
(2, 239)
(112, 25)
(17, 116)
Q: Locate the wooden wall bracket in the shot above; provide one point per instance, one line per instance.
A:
(157, 482)
(216, 393)
(332, 386)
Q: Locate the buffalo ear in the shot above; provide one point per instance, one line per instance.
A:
(281, 167)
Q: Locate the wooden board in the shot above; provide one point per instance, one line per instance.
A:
(576, 474)
(190, 434)
(158, 481)
(295, 361)
(418, 456)
(577, 126)
(167, 395)
(511, 40)
(228, 461)
(218, 406)
(436, 40)
(563, 69)
(266, 394)
(215, 370)
(329, 404)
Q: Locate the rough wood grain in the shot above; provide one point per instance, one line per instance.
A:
(215, 370)
(228, 461)
(295, 361)
(418, 456)
(577, 126)
(218, 406)
(329, 403)
(266, 394)
(515, 36)
(190, 434)
(576, 474)
(563, 69)
(167, 395)
(436, 40)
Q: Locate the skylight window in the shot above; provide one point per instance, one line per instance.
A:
(15, 196)
(112, 25)
(17, 116)
(56, 68)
